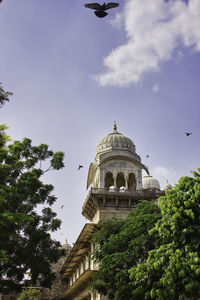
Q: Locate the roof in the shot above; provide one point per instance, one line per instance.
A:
(80, 248)
(115, 141)
(148, 182)
(79, 286)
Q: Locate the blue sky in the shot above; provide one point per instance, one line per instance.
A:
(73, 74)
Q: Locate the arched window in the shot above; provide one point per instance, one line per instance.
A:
(131, 182)
(109, 180)
(120, 180)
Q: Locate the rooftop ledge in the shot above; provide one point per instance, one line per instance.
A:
(101, 198)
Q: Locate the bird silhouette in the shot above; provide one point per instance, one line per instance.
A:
(79, 167)
(188, 133)
(62, 206)
(100, 9)
(147, 155)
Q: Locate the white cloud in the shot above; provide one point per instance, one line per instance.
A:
(155, 88)
(179, 54)
(154, 30)
(117, 22)
(163, 174)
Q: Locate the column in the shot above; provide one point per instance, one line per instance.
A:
(126, 182)
(115, 181)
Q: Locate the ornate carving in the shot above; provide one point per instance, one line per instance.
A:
(120, 153)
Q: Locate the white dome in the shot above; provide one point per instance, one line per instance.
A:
(167, 186)
(150, 183)
(115, 141)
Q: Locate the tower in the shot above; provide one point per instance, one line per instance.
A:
(116, 179)
(116, 185)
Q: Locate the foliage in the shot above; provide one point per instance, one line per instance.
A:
(3, 136)
(30, 294)
(25, 241)
(172, 269)
(122, 244)
(4, 96)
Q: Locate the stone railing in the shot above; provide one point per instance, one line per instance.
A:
(114, 191)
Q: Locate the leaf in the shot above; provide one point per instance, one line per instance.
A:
(25, 240)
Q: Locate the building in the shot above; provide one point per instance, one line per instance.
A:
(117, 185)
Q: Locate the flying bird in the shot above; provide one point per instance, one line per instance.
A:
(188, 133)
(147, 155)
(62, 206)
(100, 9)
(79, 167)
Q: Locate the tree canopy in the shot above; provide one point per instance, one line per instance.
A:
(4, 96)
(123, 243)
(3, 136)
(172, 269)
(30, 294)
(25, 241)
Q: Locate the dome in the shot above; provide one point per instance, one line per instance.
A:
(115, 141)
(167, 186)
(150, 183)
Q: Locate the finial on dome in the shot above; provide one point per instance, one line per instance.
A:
(167, 186)
(114, 127)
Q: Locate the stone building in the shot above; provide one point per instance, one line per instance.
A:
(116, 183)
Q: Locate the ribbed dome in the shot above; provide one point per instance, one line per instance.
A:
(150, 183)
(115, 141)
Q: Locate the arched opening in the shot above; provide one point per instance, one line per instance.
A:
(120, 181)
(131, 182)
(109, 180)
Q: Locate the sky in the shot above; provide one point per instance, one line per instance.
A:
(73, 74)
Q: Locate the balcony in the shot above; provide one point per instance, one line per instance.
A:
(102, 199)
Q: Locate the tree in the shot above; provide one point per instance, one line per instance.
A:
(172, 269)
(4, 96)
(122, 243)
(3, 136)
(30, 294)
(25, 241)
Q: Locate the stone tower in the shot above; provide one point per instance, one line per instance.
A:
(116, 183)
(116, 164)
(116, 179)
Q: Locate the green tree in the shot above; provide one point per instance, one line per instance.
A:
(3, 136)
(4, 96)
(122, 244)
(172, 269)
(25, 241)
(30, 294)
